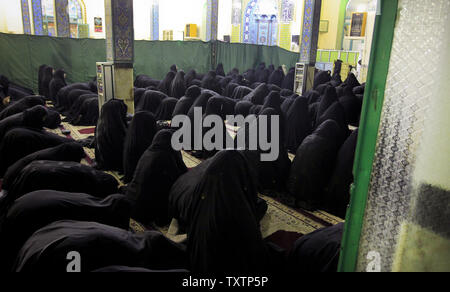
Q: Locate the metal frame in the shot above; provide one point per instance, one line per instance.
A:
(104, 83)
(370, 121)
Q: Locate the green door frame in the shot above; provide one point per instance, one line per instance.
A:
(368, 131)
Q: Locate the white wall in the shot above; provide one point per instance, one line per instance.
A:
(3, 25)
(95, 8)
(143, 19)
(11, 17)
(298, 24)
(175, 14)
(224, 25)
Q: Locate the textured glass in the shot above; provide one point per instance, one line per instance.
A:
(415, 61)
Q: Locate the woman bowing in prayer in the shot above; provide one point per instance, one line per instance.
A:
(31, 118)
(100, 246)
(72, 151)
(21, 142)
(38, 209)
(62, 176)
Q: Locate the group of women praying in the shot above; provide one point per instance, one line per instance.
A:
(53, 204)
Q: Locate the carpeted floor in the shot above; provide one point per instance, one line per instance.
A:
(283, 223)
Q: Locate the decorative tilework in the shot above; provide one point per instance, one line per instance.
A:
(248, 15)
(119, 31)
(212, 18)
(26, 17)
(310, 33)
(75, 11)
(236, 17)
(266, 30)
(62, 18)
(37, 18)
(259, 28)
(155, 20)
(287, 11)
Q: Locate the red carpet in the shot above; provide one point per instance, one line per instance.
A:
(88, 131)
(284, 239)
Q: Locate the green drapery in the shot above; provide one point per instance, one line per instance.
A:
(21, 56)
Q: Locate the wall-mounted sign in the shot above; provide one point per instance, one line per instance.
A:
(236, 12)
(287, 11)
(323, 27)
(98, 23)
(358, 27)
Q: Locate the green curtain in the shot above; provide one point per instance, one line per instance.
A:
(21, 56)
(154, 58)
(245, 56)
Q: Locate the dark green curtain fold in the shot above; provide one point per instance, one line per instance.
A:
(21, 56)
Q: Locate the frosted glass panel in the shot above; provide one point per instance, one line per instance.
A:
(401, 203)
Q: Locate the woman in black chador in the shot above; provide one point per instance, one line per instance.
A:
(110, 136)
(189, 77)
(21, 105)
(64, 176)
(151, 101)
(243, 108)
(38, 209)
(317, 252)
(178, 86)
(72, 98)
(277, 77)
(229, 89)
(217, 204)
(298, 123)
(46, 79)
(219, 70)
(72, 151)
(31, 118)
(165, 111)
(75, 110)
(139, 137)
(211, 82)
(337, 196)
(271, 175)
(166, 83)
(200, 102)
(21, 142)
(240, 92)
(288, 81)
(53, 119)
(327, 99)
(186, 102)
(313, 165)
(40, 79)
(100, 246)
(62, 97)
(58, 82)
(321, 78)
(158, 169)
(258, 95)
(89, 113)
